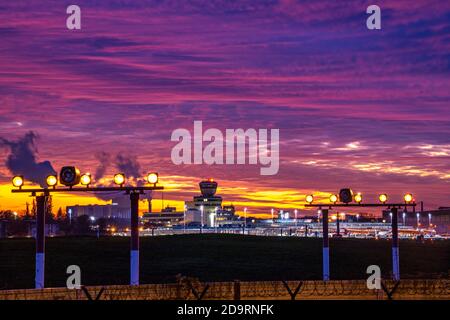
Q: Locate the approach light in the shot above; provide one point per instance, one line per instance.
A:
(383, 198)
(152, 178)
(86, 179)
(333, 198)
(17, 181)
(358, 197)
(69, 176)
(346, 195)
(408, 197)
(52, 181)
(119, 178)
(309, 198)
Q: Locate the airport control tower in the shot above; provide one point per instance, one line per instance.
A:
(210, 202)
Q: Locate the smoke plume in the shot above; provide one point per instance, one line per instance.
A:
(128, 165)
(104, 161)
(22, 159)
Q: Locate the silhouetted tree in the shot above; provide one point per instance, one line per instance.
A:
(27, 211)
(60, 214)
(49, 210)
(6, 214)
(33, 208)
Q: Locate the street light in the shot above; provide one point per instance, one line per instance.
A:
(309, 198)
(404, 218)
(429, 219)
(383, 198)
(408, 197)
(152, 178)
(17, 181)
(184, 219)
(201, 218)
(358, 197)
(215, 218)
(418, 219)
(86, 179)
(245, 219)
(119, 179)
(333, 198)
(51, 181)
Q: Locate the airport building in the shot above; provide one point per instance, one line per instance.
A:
(118, 209)
(438, 220)
(205, 207)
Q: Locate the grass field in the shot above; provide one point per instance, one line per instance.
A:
(215, 258)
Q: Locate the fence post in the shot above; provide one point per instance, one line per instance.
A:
(237, 290)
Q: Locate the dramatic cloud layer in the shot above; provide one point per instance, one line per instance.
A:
(360, 108)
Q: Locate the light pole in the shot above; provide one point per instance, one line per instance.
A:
(134, 252)
(215, 219)
(296, 221)
(40, 241)
(429, 219)
(418, 220)
(245, 219)
(338, 230)
(395, 255)
(325, 250)
(184, 219)
(92, 218)
(201, 218)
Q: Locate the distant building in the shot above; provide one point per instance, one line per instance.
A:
(206, 207)
(437, 219)
(118, 209)
(163, 219)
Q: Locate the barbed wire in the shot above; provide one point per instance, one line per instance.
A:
(188, 289)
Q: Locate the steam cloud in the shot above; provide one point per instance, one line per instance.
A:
(128, 165)
(22, 159)
(103, 159)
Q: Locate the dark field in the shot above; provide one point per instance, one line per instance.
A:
(215, 258)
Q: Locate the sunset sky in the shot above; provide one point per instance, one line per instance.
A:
(359, 108)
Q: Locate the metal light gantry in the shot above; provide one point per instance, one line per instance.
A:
(42, 194)
(394, 225)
